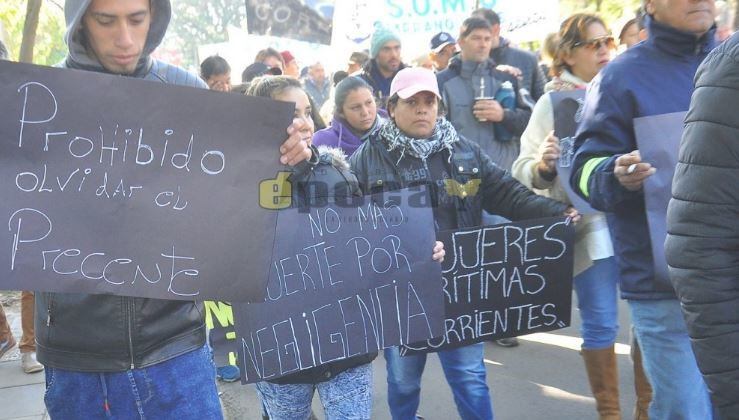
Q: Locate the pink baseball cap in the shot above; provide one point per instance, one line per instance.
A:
(410, 81)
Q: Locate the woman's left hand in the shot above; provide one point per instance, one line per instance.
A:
(295, 149)
(439, 251)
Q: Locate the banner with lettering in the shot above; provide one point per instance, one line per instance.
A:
(345, 281)
(416, 21)
(306, 20)
(115, 185)
(219, 319)
(504, 281)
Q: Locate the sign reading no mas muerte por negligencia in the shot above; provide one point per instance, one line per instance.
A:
(345, 281)
(503, 281)
(115, 185)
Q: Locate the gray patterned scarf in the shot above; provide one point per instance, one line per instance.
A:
(443, 137)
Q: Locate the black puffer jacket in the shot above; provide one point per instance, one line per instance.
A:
(533, 78)
(702, 246)
(498, 193)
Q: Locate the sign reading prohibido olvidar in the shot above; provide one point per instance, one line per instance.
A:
(116, 185)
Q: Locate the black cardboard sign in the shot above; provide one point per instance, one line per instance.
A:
(345, 281)
(504, 281)
(115, 185)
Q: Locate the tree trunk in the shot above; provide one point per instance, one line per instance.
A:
(736, 16)
(33, 9)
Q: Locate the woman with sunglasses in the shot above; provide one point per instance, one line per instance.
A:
(584, 48)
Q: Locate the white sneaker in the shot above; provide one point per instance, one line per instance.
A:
(30, 364)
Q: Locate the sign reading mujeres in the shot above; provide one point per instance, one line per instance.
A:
(121, 186)
(344, 281)
(503, 281)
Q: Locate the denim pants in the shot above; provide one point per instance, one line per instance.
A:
(347, 395)
(464, 370)
(679, 392)
(597, 298)
(181, 388)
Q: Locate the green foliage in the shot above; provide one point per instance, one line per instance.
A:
(610, 10)
(50, 48)
(196, 22)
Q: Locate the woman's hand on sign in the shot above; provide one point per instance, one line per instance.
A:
(439, 251)
(295, 149)
(549, 151)
(573, 214)
(631, 172)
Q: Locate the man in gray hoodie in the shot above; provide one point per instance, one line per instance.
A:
(118, 356)
(469, 86)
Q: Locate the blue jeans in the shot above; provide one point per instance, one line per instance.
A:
(183, 388)
(678, 388)
(464, 370)
(597, 298)
(347, 395)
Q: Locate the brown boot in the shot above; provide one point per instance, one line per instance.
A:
(603, 377)
(641, 385)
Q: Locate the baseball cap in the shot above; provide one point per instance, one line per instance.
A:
(441, 40)
(412, 80)
(287, 56)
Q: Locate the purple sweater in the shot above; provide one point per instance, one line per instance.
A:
(338, 134)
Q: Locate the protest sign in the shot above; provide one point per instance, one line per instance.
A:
(219, 319)
(567, 108)
(504, 281)
(307, 20)
(344, 281)
(113, 185)
(658, 138)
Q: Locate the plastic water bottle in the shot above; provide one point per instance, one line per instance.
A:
(506, 97)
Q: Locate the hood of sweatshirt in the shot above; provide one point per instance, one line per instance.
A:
(80, 57)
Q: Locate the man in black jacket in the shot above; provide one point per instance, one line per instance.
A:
(703, 240)
(122, 356)
(652, 78)
(384, 63)
(532, 78)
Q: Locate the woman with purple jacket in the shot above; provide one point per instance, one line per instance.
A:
(356, 116)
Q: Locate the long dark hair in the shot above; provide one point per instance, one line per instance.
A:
(344, 88)
(271, 86)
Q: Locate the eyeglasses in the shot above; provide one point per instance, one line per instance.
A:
(596, 43)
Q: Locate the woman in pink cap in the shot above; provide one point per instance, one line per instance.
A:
(418, 146)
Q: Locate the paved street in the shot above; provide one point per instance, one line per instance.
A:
(544, 378)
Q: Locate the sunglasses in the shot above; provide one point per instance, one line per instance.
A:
(596, 43)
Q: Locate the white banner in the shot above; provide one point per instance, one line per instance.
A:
(415, 21)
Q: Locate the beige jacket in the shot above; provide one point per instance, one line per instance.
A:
(592, 240)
